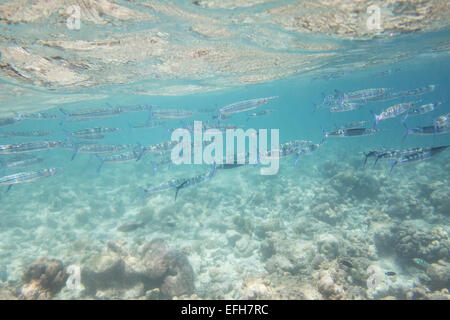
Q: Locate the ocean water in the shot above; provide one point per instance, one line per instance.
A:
(323, 227)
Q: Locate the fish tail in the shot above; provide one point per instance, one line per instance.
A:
(143, 194)
(393, 163)
(213, 170)
(75, 152)
(65, 116)
(179, 188)
(407, 131)
(141, 152)
(325, 135)
(366, 155)
(150, 110)
(102, 161)
(376, 118)
(376, 160)
(130, 126)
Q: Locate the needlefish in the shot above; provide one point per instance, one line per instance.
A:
(350, 132)
(237, 161)
(390, 154)
(417, 91)
(36, 116)
(28, 147)
(424, 154)
(442, 121)
(243, 106)
(423, 109)
(427, 130)
(259, 113)
(29, 176)
(346, 106)
(356, 124)
(36, 133)
(181, 183)
(392, 112)
(93, 133)
(90, 114)
(156, 148)
(99, 148)
(117, 158)
(150, 124)
(172, 113)
(364, 94)
(9, 121)
(19, 162)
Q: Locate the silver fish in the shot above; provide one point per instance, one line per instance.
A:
(8, 134)
(20, 161)
(150, 124)
(29, 176)
(346, 106)
(393, 111)
(91, 113)
(442, 121)
(417, 91)
(425, 154)
(9, 121)
(181, 183)
(246, 105)
(28, 147)
(423, 109)
(156, 148)
(99, 148)
(117, 158)
(350, 132)
(260, 113)
(364, 94)
(37, 116)
(93, 131)
(172, 113)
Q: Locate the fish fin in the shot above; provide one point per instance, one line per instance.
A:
(297, 156)
(393, 163)
(9, 188)
(178, 189)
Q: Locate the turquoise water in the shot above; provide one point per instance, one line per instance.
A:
(316, 230)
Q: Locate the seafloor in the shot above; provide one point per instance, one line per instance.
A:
(327, 228)
(321, 230)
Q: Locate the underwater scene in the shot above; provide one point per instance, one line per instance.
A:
(235, 149)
